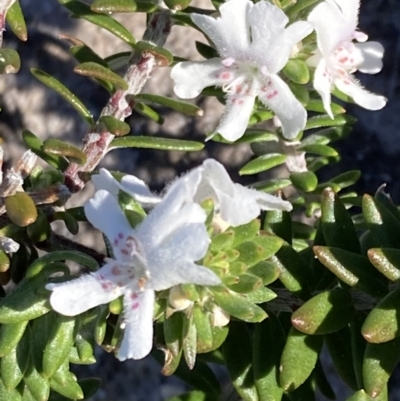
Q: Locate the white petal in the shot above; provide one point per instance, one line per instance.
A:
(237, 204)
(267, 23)
(330, 26)
(323, 84)
(371, 54)
(138, 334)
(185, 273)
(360, 95)
(191, 77)
(350, 9)
(77, 296)
(230, 33)
(104, 213)
(282, 47)
(236, 116)
(139, 191)
(105, 180)
(276, 95)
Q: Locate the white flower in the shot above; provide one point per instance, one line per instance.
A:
(236, 204)
(335, 22)
(157, 255)
(254, 46)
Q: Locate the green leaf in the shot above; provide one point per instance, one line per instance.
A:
(259, 116)
(114, 6)
(177, 4)
(337, 225)
(21, 209)
(82, 10)
(16, 21)
(383, 225)
(193, 396)
(60, 148)
(64, 92)
(10, 335)
(387, 261)
(163, 57)
(324, 313)
(10, 63)
(114, 126)
(326, 121)
(177, 105)
(321, 150)
(59, 345)
(318, 106)
(15, 363)
(361, 395)
(295, 274)
(237, 305)
(205, 50)
(300, 92)
(299, 6)
(353, 269)
(346, 179)
(297, 71)
(263, 163)
(78, 257)
(98, 71)
(298, 347)
(272, 185)
(35, 144)
(37, 385)
(156, 143)
(382, 323)
(306, 181)
(268, 343)
(340, 349)
(237, 351)
(147, 111)
(204, 330)
(189, 342)
(173, 332)
(379, 363)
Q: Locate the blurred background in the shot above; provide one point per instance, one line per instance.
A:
(373, 147)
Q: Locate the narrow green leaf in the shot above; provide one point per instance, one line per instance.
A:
(318, 106)
(237, 305)
(353, 269)
(272, 185)
(268, 343)
(82, 10)
(237, 350)
(94, 70)
(156, 143)
(16, 21)
(340, 350)
(115, 126)
(63, 91)
(326, 121)
(78, 257)
(337, 225)
(115, 6)
(387, 261)
(35, 144)
(58, 347)
(177, 105)
(37, 385)
(263, 163)
(61, 148)
(205, 50)
(321, 150)
(147, 111)
(10, 335)
(383, 225)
